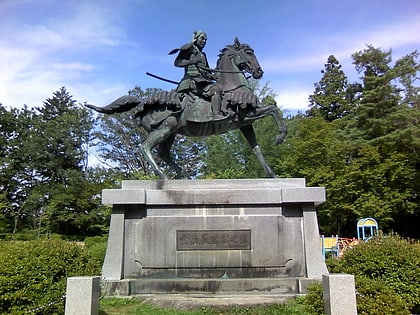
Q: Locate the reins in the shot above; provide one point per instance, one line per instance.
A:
(217, 70)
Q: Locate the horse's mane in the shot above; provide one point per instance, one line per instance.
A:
(228, 51)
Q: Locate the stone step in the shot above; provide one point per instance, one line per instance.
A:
(208, 286)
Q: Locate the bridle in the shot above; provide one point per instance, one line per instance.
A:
(239, 53)
(218, 70)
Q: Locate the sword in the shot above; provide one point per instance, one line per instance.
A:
(160, 78)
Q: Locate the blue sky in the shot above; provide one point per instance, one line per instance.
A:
(99, 49)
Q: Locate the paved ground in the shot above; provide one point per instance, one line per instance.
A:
(215, 301)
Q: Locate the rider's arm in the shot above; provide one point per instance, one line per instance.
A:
(185, 58)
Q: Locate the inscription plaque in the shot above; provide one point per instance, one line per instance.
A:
(213, 239)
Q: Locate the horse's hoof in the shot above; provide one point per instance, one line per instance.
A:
(163, 177)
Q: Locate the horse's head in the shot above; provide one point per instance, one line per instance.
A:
(244, 58)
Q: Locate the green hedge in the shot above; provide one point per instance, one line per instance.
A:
(33, 274)
(96, 246)
(384, 266)
(387, 276)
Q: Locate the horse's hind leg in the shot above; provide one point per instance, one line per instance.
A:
(155, 137)
(248, 132)
(165, 154)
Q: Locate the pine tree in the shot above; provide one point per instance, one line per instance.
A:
(62, 133)
(380, 95)
(16, 176)
(330, 99)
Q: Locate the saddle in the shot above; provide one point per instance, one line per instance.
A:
(198, 109)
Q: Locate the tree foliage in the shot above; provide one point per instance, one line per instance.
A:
(368, 158)
(43, 183)
(330, 99)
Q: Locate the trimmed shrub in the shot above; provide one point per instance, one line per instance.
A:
(313, 300)
(387, 274)
(374, 297)
(96, 246)
(33, 274)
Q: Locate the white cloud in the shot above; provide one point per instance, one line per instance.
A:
(99, 93)
(37, 59)
(295, 98)
(293, 63)
(395, 35)
(343, 44)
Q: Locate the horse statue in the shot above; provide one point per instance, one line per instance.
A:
(166, 114)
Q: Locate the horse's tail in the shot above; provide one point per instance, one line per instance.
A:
(120, 105)
(171, 101)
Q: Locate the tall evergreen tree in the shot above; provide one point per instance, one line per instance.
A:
(63, 131)
(16, 176)
(43, 172)
(406, 69)
(59, 157)
(330, 99)
(368, 161)
(7, 122)
(380, 95)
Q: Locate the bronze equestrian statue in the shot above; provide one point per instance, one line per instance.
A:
(193, 111)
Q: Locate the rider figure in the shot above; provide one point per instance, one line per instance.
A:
(198, 80)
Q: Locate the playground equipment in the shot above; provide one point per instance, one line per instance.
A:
(336, 245)
(329, 245)
(366, 229)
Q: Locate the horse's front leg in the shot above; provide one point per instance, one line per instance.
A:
(156, 137)
(274, 111)
(164, 153)
(248, 132)
(280, 124)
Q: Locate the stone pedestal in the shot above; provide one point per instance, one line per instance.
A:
(212, 235)
(339, 294)
(82, 296)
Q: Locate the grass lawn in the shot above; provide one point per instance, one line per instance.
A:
(122, 306)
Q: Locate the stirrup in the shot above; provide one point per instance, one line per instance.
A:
(217, 117)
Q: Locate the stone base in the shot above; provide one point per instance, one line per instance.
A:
(128, 287)
(158, 286)
(211, 235)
